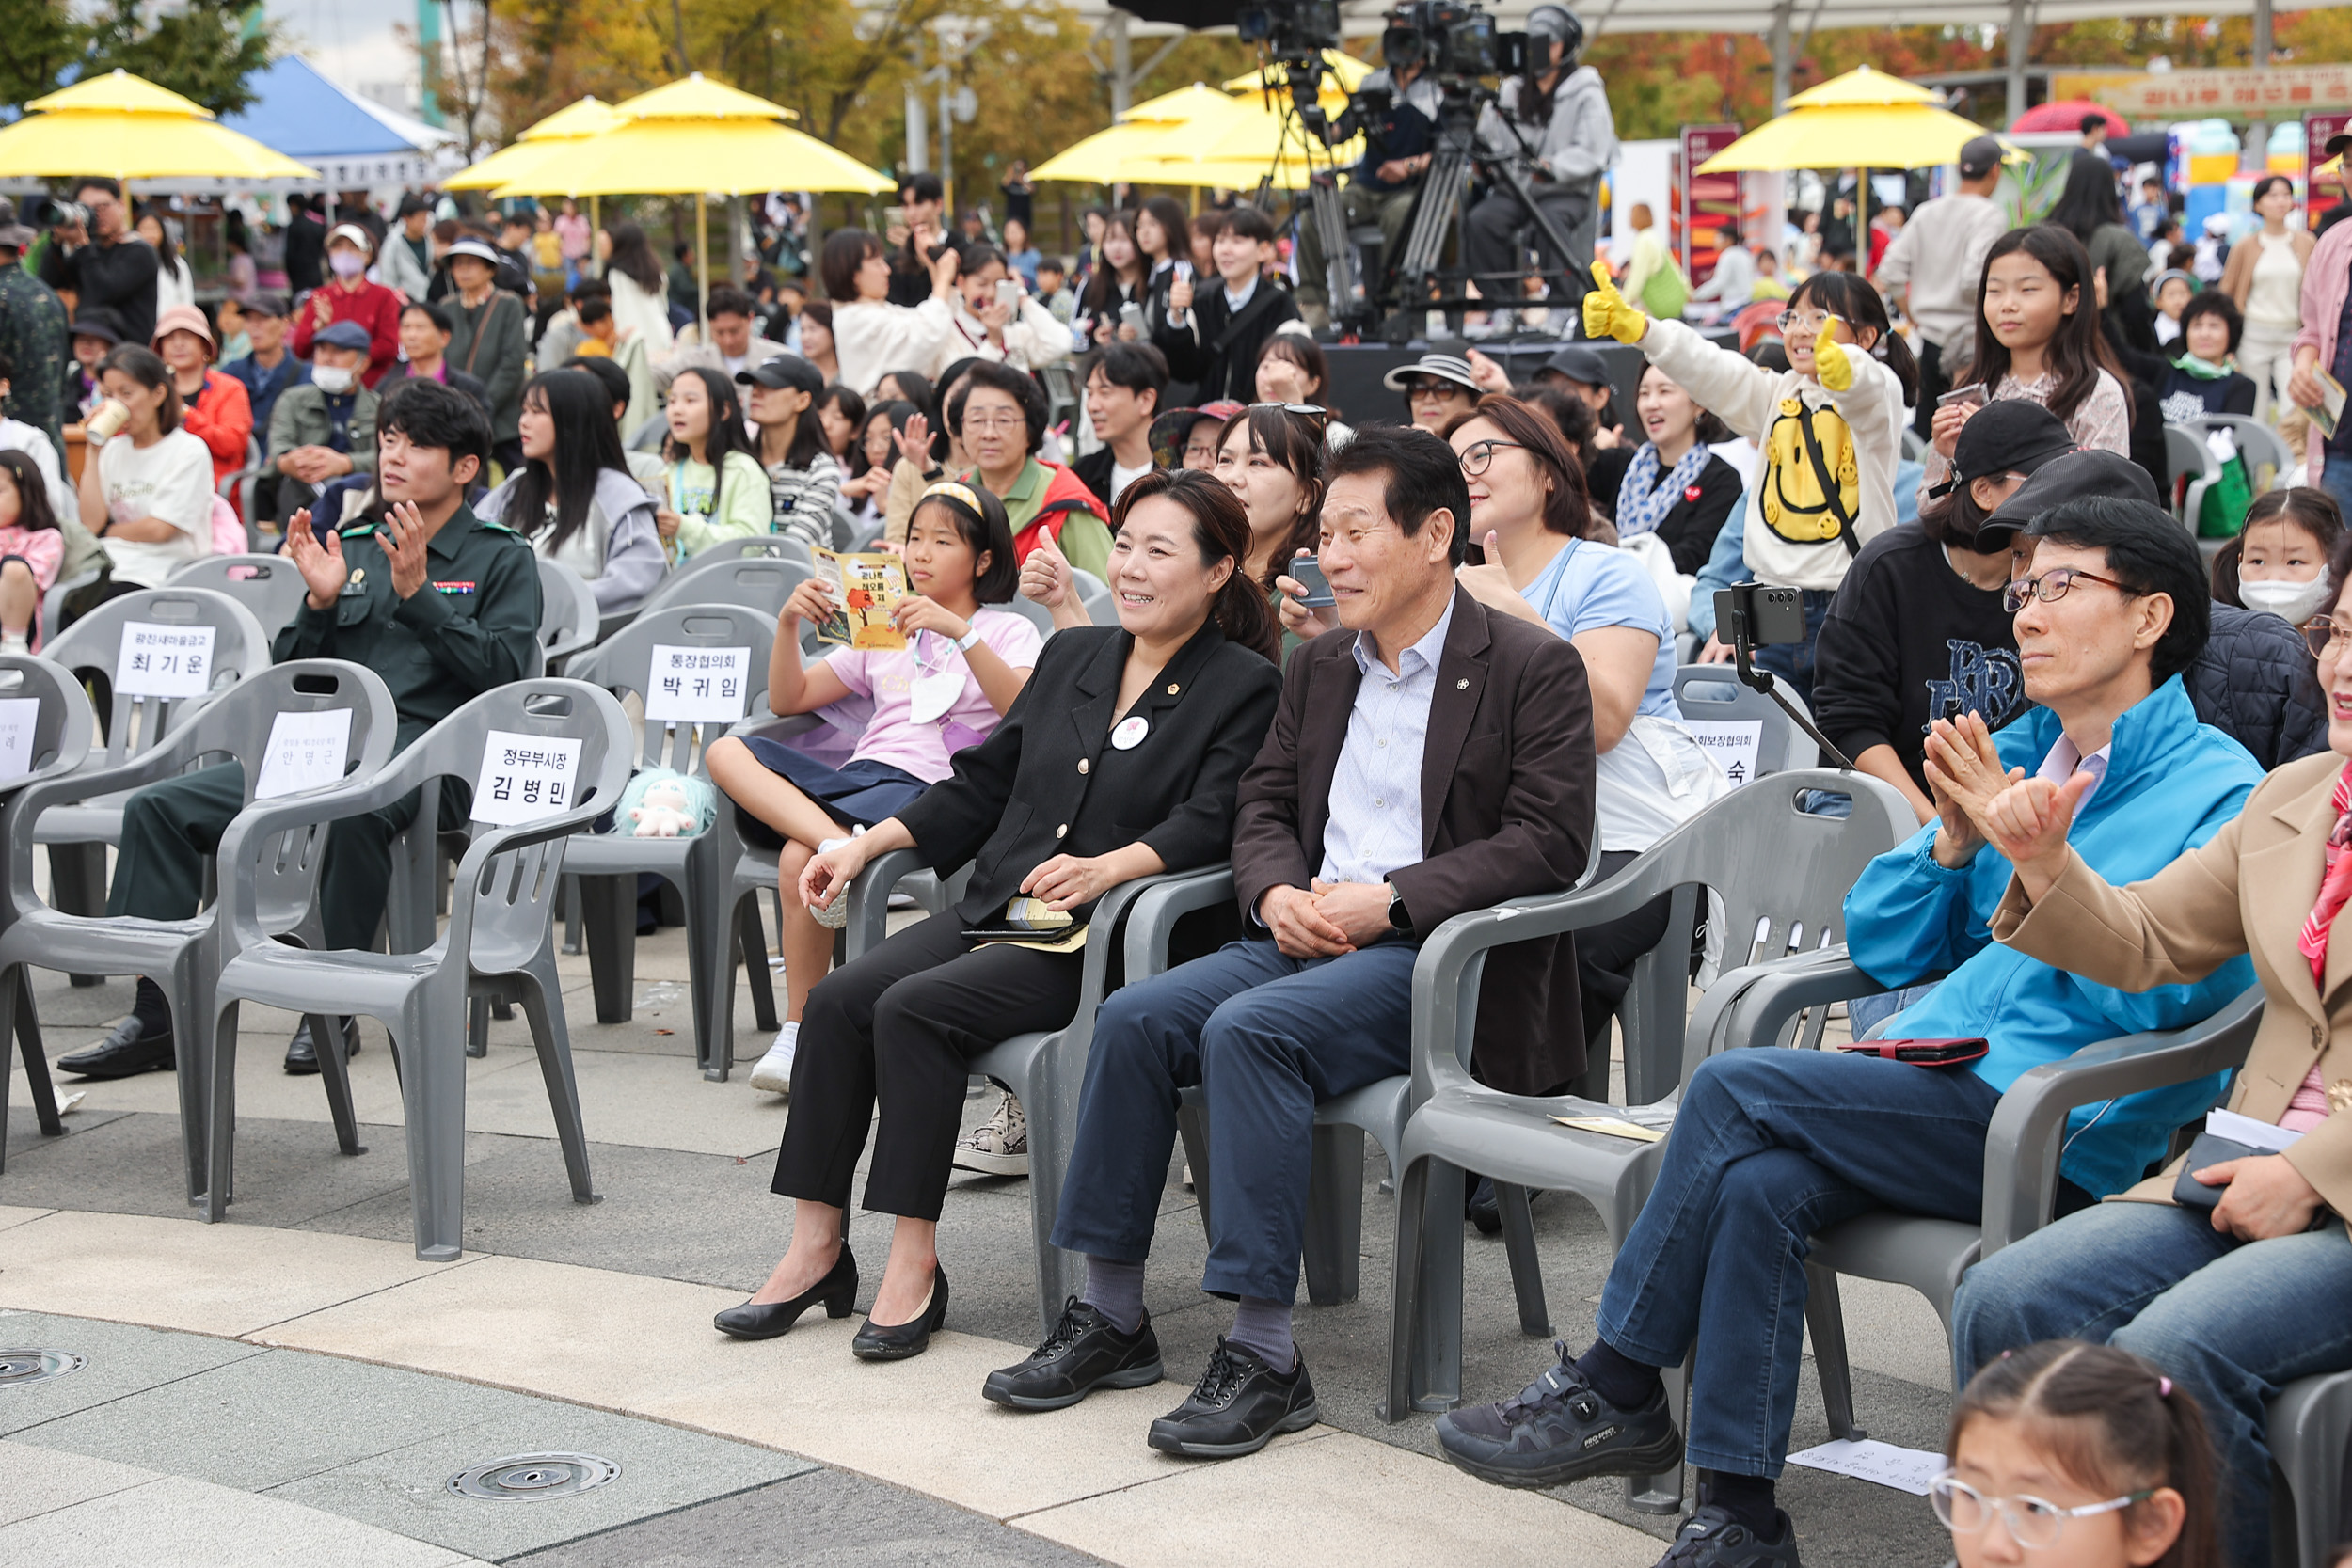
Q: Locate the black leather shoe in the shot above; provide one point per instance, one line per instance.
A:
(1485, 1209)
(302, 1054)
(1712, 1538)
(126, 1052)
(896, 1341)
(1085, 1352)
(1559, 1429)
(1239, 1406)
(765, 1320)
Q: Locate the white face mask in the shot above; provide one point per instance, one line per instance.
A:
(334, 380)
(2296, 601)
(347, 263)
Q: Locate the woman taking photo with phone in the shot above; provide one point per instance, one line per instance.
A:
(1122, 759)
(872, 337)
(1122, 280)
(574, 498)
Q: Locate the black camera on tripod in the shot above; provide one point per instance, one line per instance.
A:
(1452, 40)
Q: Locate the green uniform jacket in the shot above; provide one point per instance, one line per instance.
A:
(474, 624)
(33, 335)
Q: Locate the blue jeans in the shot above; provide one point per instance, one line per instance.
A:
(2234, 1321)
(1793, 661)
(1769, 1147)
(1267, 1036)
(2335, 477)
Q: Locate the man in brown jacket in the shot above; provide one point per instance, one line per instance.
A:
(1429, 758)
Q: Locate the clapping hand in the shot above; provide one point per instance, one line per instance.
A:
(323, 568)
(1964, 773)
(1609, 314)
(405, 538)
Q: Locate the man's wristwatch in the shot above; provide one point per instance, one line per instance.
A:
(1398, 920)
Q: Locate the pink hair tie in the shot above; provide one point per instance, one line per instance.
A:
(2164, 1388)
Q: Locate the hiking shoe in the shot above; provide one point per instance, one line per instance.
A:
(1239, 1406)
(1712, 1538)
(1559, 1429)
(1085, 1352)
(1001, 1148)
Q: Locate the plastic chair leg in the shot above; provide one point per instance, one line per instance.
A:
(571, 915)
(1527, 1273)
(16, 1003)
(1192, 1125)
(220, 1155)
(754, 936)
(1060, 1274)
(335, 1074)
(432, 1093)
(77, 876)
(1425, 1302)
(1335, 1215)
(191, 995)
(543, 1002)
(1663, 1493)
(477, 1026)
(1826, 1319)
(609, 909)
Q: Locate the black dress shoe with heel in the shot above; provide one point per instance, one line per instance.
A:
(302, 1054)
(897, 1341)
(765, 1320)
(129, 1049)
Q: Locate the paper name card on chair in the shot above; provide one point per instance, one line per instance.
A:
(1732, 742)
(696, 685)
(1868, 1459)
(20, 718)
(157, 660)
(306, 751)
(525, 777)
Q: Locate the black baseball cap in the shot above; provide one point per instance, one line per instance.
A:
(264, 305)
(1580, 363)
(2070, 476)
(784, 370)
(2013, 435)
(1980, 157)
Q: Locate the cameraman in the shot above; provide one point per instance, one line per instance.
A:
(1558, 116)
(1399, 135)
(104, 262)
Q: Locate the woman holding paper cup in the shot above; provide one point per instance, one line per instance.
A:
(959, 669)
(148, 495)
(574, 498)
(2230, 1270)
(1123, 758)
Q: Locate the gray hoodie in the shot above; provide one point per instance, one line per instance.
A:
(1578, 143)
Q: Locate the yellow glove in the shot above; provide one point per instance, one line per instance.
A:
(1607, 314)
(1830, 360)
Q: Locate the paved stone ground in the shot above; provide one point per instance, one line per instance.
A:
(683, 1167)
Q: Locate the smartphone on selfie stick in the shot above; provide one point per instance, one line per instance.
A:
(1748, 616)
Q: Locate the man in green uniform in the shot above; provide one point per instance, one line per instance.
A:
(440, 604)
(32, 335)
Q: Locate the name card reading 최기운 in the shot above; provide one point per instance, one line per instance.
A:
(158, 660)
(694, 686)
(306, 750)
(524, 777)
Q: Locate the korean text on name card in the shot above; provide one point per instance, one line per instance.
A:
(306, 750)
(694, 686)
(525, 777)
(158, 660)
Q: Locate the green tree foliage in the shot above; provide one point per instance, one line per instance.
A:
(202, 49)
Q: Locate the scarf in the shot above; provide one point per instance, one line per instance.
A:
(2335, 884)
(1643, 499)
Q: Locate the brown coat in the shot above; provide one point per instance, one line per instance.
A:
(2247, 891)
(1506, 813)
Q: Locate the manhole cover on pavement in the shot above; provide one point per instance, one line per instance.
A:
(529, 1478)
(20, 1368)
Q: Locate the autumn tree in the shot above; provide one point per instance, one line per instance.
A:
(202, 49)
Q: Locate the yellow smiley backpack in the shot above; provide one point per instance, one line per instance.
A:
(1812, 486)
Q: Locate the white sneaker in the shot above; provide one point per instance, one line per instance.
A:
(774, 1073)
(837, 914)
(1002, 1147)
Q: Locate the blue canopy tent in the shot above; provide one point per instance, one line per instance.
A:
(353, 142)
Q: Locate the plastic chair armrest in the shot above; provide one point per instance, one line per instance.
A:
(522, 835)
(2022, 1145)
(1750, 1006)
(1152, 919)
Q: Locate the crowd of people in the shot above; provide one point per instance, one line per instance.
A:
(1392, 670)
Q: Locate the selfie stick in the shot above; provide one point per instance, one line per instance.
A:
(1742, 647)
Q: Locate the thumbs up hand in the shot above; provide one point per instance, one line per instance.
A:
(1609, 314)
(1045, 576)
(1830, 362)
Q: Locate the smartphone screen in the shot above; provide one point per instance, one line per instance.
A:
(1009, 293)
(1131, 314)
(1309, 573)
(1973, 392)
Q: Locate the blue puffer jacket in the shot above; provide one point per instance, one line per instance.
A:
(2171, 784)
(2254, 682)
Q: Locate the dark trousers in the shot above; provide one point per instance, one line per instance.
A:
(1605, 957)
(1490, 235)
(170, 829)
(898, 1028)
(1933, 383)
(1267, 1036)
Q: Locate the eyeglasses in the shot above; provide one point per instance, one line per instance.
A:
(2030, 1521)
(1424, 387)
(1320, 415)
(994, 422)
(2051, 586)
(1480, 455)
(1788, 319)
(2326, 638)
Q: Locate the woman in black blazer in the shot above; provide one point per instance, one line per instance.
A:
(1120, 758)
(1669, 484)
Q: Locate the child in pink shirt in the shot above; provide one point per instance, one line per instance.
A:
(31, 550)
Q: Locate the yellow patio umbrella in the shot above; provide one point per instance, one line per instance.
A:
(1156, 128)
(130, 128)
(516, 164)
(1250, 144)
(1865, 117)
(1342, 74)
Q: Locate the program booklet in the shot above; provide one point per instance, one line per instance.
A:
(864, 587)
(2329, 414)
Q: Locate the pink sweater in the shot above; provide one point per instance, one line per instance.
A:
(2326, 278)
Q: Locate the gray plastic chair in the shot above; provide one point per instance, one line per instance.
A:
(569, 620)
(500, 940)
(1782, 877)
(2259, 444)
(77, 835)
(1711, 693)
(60, 744)
(268, 585)
(2310, 1430)
(608, 864)
(1095, 594)
(183, 956)
(757, 547)
(2188, 457)
(866, 536)
(1031, 612)
(756, 582)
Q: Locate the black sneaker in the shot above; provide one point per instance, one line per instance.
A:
(1085, 1352)
(1559, 1429)
(128, 1050)
(1239, 1406)
(1712, 1538)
